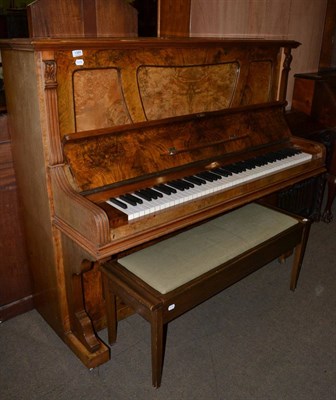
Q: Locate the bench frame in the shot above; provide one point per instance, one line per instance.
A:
(159, 309)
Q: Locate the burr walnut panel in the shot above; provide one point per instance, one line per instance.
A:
(98, 99)
(114, 85)
(258, 83)
(109, 157)
(178, 90)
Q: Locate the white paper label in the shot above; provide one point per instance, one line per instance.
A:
(171, 307)
(79, 62)
(77, 53)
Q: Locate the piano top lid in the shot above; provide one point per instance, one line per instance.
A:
(39, 44)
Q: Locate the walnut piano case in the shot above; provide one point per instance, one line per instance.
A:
(92, 119)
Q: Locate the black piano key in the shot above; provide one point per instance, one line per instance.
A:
(273, 157)
(222, 172)
(144, 195)
(181, 184)
(187, 184)
(135, 198)
(165, 189)
(208, 176)
(240, 166)
(260, 161)
(130, 199)
(195, 180)
(177, 184)
(248, 164)
(232, 168)
(118, 203)
(155, 194)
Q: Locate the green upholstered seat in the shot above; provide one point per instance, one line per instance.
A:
(179, 259)
(189, 268)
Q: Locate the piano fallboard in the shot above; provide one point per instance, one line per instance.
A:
(157, 153)
(118, 156)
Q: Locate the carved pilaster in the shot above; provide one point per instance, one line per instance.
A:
(50, 85)
(285, 72)
(50, 74)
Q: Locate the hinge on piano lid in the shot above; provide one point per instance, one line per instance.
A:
(172, 151)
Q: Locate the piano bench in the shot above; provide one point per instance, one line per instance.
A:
(163, 281)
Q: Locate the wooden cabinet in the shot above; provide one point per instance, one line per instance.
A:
(15, 287)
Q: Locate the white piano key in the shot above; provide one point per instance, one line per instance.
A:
(198, 191)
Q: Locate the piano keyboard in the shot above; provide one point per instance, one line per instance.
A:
(150, 200)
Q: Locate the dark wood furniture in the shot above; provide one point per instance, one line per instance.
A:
(82, 18)
(313, 116)
(314, 104)
(15, 283)
(169, 278)
(327, 56)
(16, 291)
(174, 18)
(93, 118)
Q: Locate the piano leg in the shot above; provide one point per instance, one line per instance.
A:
(82, 324)
(81, 336)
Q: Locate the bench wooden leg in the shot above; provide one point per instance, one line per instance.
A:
(282, 259)
(157, 344)
(298, 256)
(111, 311)
(327, 214)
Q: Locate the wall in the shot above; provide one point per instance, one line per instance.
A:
(301, 20)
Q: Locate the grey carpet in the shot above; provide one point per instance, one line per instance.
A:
(256, 340)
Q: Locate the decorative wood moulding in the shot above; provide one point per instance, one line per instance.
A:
(50, 74)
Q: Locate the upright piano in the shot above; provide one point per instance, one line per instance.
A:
(121, 142)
